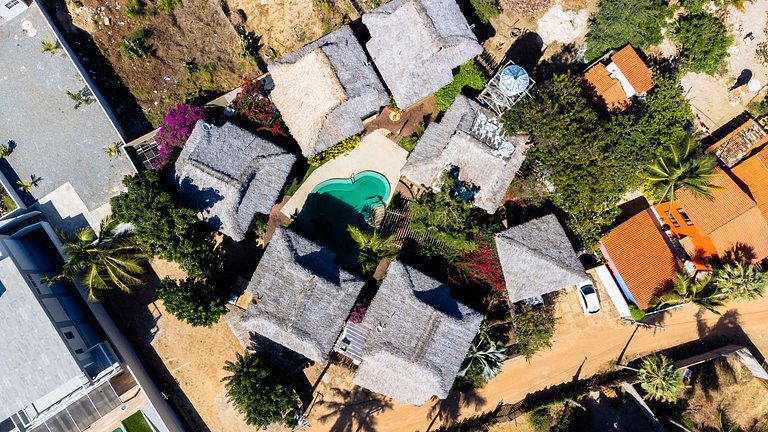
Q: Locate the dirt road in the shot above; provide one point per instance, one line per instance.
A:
(580, 349)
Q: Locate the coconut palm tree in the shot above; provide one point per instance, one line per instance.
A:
(741, 281)
(660, 379)
(688, 290)
(489, 354)
(372, 248)
(113, 258)
(686, 167)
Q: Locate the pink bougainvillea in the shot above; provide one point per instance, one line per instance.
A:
(481, 266)
(175, 130)
(357, 314)
(253, 104)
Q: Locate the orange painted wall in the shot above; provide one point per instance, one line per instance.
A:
(702, 242)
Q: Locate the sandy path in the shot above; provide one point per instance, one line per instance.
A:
(585, 350)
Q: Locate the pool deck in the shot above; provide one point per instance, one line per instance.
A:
(376, 152)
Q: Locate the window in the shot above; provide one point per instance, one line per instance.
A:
(672, 219)
(11, 4)
(69, 335)
(685, 217)
(79, 351)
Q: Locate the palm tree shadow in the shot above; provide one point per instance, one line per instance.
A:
(357, 410)
(447, 410)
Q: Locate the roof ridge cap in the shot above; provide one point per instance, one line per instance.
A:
(544, 256)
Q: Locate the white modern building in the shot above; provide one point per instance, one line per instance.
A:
(58, 370)
(9, 9)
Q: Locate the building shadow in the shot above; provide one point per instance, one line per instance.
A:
(446, 411)
(727, 330)
(526, 51)
(136, 314)
(356, 411)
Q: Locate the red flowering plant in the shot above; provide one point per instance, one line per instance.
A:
(253, 104)
(481, 267)
(176, 128)
(357, 314)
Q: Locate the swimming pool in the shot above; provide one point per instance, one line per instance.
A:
(337, 203)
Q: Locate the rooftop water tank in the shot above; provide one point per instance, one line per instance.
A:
(513, 80)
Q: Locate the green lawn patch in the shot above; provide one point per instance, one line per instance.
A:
(136, 423)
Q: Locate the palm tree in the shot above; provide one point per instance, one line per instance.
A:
(487, 353)
(660, 379)
(741, 281)
(111, 259)
(686, 167)
(688, 290)
(372, 248)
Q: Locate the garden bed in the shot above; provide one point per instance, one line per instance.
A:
(7, 204)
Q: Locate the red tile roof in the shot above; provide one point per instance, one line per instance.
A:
(638, 251)
(753, 172)
(733, 147)
(730, 218)
(609, 89)
(633, 68)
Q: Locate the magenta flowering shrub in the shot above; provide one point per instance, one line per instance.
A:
(176, 128)
(253, 104)
(357, 314)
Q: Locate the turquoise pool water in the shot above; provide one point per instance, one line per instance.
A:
(337, 203)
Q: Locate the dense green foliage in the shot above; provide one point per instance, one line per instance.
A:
(758, 108)
(136, 423)
(704, 41)
(469, 75)
(660, 379)
(621, 22)
(740, 281)
(445, 217)
(472, 379)
(534, 328)
(134, 46)
(192, 300)
(372, 248)
(485, 9)
(686, 167)
(334, 151)
(685, 289)
(259, 392)
(637, 313)
(166, 229)
(487, 353)
(111, 259)
(592, 158)
(693, 6)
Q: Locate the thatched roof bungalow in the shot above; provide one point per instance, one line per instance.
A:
(472, 140)
(537, 258)
(300, 297)
(419, 337)
(229, 175)
(325, 90)
(416, 44)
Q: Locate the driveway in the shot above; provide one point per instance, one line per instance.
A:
(582, 347)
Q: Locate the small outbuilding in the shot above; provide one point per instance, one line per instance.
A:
(300, 297)
(419, 337)
(228, 175)
(325, 90)
(472, 140)
(416, 44)
(537, 258)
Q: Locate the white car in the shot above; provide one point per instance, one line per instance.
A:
(590, 302)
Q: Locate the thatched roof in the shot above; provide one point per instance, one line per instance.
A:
(300, 297)
(537, 258)
(229, 174)
(415, 45)
(454, 142)
(419, 338)
(325, 90)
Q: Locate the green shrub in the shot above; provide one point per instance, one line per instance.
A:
(534, 328)
(485, 9)
(469, 75)
(7, 204)
(5, 151)
(637, 313)
(49, 47)
(693, 6)
(539, 420)
(135, 9)
(621, 22)
(193, 301)
(82, 97)
(758, 109)
(704, 40)
(335, 151)
(473, 379)
(168, 5)
(134, 46)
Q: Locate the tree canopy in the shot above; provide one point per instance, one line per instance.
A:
(592, 158)
(166, 229)
(704, 40)
(534, 328)
(259, 392)
(621, 22)
(660, 379)
(194, 301)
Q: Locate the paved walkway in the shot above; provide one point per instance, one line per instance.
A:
(582, 347)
